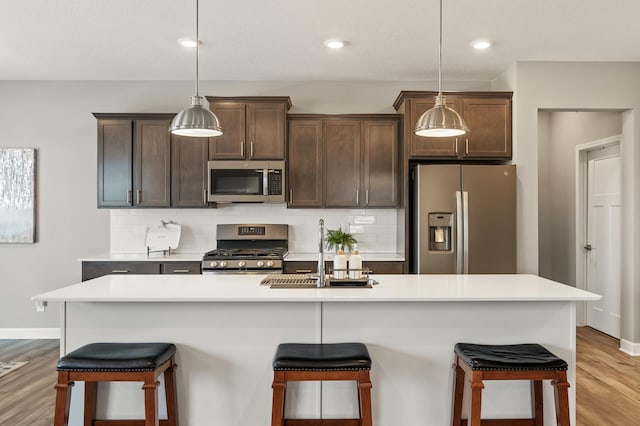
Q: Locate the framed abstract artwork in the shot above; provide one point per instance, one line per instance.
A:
(17, 195)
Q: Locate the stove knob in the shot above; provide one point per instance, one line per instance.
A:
(242, 263)
(223, 264)
(260, 263)
(214, 264)
(270, 263)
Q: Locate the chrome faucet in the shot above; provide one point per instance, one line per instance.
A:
(321, 270)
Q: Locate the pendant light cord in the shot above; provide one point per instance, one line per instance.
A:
(440, 55)
(197, 45)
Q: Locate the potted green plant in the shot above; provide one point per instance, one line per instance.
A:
(337, 237)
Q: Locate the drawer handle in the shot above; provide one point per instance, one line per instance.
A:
(119, 271)
(303, 271)
(181, 271)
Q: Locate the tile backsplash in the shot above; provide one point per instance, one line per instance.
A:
(375, 229)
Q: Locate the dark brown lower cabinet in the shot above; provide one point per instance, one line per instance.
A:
(97, 269)
(376, 267)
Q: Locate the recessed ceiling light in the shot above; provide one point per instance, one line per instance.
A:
(334, 43)
(481, 44)
(187, 42)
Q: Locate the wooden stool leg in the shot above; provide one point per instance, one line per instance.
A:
(364, 398)
(476, 398)
(458, 392)
(150, 388)
(537, 404)
(63, 399)
(561, 394)
(170, 394)
(89, 403)
(279, 387)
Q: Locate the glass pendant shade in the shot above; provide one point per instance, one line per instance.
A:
(196, 121)
(440, 121)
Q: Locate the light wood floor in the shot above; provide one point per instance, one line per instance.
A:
(27, 394)
(607, 388)
(608, 382)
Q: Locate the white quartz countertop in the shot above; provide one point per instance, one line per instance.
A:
(367, 257)
(142, 257)
(197, 257)
(247, 288)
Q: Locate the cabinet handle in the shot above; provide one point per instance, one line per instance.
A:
(466, 145)
(181, 271)
(204, 198)
(129, 196)
(366, 197)
(290, 196)
(251, 155)
(119, 271)
(358, 196)
(242, 148)
(138, 196)
(456, 143)
(303, 271)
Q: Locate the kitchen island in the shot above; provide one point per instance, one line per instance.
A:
(226, 328)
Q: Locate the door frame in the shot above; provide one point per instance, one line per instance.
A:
(581, 211)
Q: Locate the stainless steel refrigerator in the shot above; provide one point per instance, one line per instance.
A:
(464, 219)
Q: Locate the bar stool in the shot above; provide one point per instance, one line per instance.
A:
(118, 362)
(316, 362)
(509, 362)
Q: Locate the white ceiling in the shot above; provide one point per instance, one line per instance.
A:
(283, 39)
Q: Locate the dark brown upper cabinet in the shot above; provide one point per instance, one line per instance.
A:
(304, 167)
(487, 114)
(189, 171)
(254, 127)
(140, 164)
(152, 163)
(343, 160)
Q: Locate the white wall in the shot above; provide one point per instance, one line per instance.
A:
(55, 118)
(581, 86)
(559, 134)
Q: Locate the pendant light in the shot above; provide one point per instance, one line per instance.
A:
(196, 120)
(440, 121)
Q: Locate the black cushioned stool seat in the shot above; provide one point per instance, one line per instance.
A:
(328, 356)
(113, 362)
(529, 361)
(317, 362)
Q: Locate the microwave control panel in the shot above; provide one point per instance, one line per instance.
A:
(275, 182)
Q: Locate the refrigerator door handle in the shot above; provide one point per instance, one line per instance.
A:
(459, 233)
(465, 227)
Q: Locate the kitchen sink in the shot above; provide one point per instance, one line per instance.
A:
(310, 281)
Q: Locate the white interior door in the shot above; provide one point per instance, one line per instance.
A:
(603, 238)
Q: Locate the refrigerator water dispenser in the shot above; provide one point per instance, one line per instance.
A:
(440, 225)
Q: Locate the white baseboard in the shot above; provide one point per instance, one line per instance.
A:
(29, 333)
(630, 348)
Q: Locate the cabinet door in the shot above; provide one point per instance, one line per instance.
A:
(380, 173)
(489, 121)
(232, 144)
(152, 165)
(420, 146)
(114, 163)
(97, 269)
(342, 163)
(189, 171)
(191, 268)
(266, 131)
(305, 163)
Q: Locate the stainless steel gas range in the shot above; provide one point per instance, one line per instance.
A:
(248, 249)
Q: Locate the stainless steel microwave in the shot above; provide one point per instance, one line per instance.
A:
(246, 181)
